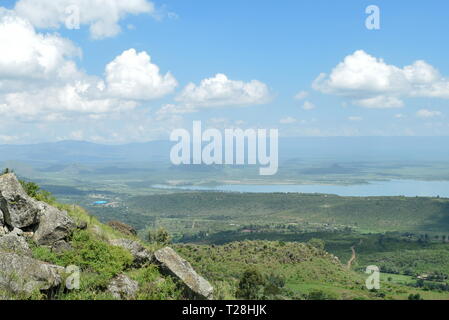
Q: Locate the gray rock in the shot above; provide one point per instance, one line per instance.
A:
(172, 264)
(141, 255)
(61, 246)
(19, 210)
(2, 220)
(122, 287)
(14, 243)
(17, 232)
(54, 225)
(24, 275)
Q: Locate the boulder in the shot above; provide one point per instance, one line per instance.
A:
(19, 210)
(122, 287)
(15, 244)
(54, 225)
(24, 275)
(61, 246)
(141, 255)
(172, 264)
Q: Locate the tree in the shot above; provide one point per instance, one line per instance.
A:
(251, 285)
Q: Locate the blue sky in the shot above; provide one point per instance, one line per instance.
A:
(264, 53)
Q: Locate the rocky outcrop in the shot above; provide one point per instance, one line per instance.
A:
(172, 264)
(19, 210)
(54, 225)
(14, 243)
(122, 287)
(123, 228)
(141, 255)
(24, 275)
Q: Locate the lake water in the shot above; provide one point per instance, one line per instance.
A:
(408, 188)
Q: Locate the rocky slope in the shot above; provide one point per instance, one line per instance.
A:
(35, 233)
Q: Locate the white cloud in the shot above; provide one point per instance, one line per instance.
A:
(288, 120)
(220, 91)
(379, 102)
(39, 78)
(426, 114)
(372, 83)
(27, 55)
(355, 118)
(301, 95)
(308, 106)
(399, 116)
(101, 16)
(132, 76)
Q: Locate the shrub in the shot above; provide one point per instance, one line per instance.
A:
(160, 236)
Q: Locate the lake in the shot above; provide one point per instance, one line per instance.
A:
(408, 188)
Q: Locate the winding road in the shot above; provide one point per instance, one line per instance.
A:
(349, 265)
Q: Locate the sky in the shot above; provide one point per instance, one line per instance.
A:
(132, 71)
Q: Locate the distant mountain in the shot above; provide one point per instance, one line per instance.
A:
(304, 148)
(86, 152)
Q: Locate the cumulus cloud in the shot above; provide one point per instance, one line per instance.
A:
(372, 83)
(101, 16)
(132, 76)
(220, 91)
(426, 114)
(27, 55)
(355, 118)
(39, 77)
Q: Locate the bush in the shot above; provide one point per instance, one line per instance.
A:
(34, 191)
(161, 236)
(152, 286)
(96, 256)
(415, 297)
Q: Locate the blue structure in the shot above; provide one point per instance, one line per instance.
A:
(100, 202)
